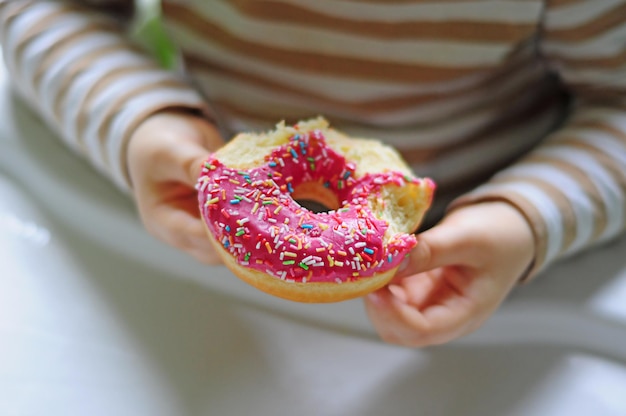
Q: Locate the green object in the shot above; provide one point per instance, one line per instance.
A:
(148, 30)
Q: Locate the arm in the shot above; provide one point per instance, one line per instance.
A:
(572, 189)
(76, 68)
(138, 124)
(566, 195)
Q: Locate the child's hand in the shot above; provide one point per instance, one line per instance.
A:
(456, 277)
(165, 155)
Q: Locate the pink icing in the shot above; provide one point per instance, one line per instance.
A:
(251, 213)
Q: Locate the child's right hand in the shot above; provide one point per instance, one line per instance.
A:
(165, 156)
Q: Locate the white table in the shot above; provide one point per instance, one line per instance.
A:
(87, 327)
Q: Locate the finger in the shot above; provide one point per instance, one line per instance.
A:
(401, 323)
(384, 316)
(210, 258)
(416, 289)
(190, 236)
(181, 163)
(180, 229)
(193, 164)
(440, 246)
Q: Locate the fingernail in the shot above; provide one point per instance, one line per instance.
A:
(404, 264)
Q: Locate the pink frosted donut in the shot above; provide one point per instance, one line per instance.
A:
(249, 192)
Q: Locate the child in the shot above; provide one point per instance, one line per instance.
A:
(517, 109)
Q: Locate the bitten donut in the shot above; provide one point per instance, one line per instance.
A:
(249, 192)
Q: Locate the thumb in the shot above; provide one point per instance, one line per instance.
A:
(184, 163)
(440, 246)
(194, 166)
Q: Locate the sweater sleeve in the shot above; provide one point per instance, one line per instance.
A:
(75, 66)
(572, 188)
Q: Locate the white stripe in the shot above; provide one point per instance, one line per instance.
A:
(101, 105)
(612, 196)
(548, 209)
(599, 78)
(579, 13)
(606, 45)
(301, 38)
(527, 11)
(580, 202)
(604, 142)
(135, 107)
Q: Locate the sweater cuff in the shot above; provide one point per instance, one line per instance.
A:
(135, 113)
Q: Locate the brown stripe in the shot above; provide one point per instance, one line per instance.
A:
(271, 117)
(603, 127)
(319, 63)
(602, 24)
(466, 31)
(445, 3)
(118, 8)
(559, 3)
(365, 107)
(600, 220)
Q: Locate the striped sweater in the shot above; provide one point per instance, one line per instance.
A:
(521, 101)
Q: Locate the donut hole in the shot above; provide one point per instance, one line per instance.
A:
(315, 197)
(313, 206)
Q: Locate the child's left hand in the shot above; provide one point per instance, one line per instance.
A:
(456, 277)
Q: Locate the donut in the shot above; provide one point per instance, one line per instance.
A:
(251, 194)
